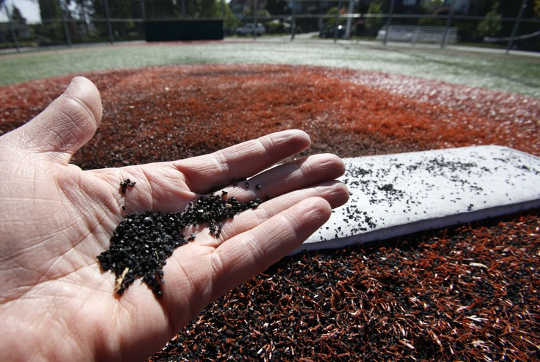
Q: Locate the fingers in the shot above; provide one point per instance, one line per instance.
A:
(66, 124)
(290, 176)
(161, 187)
(251, 252)
(204, 173)
(334, 192)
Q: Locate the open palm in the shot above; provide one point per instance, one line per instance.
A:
(56, 303)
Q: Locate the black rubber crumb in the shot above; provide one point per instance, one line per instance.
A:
(125, 184)
(141, 243)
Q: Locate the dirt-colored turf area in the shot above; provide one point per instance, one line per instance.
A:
(469, 292)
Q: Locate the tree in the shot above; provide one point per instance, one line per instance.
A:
(84, 8)
(51, 30)
(277, 7)
(491, 25)
(17, 27)
(334, 18)
(209, 9)
(432, 5)
(373, 24)
(16, 16)
(121, 9)
(156, 9)
(230, 21)
(117, 8)
(50, 9)
(260, 13)
(537, 8)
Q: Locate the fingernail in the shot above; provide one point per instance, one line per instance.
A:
(72, 85)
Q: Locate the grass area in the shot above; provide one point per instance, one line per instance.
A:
(511, 73)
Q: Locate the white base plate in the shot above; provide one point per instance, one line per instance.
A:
(399, 194)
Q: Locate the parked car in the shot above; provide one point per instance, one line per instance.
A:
(332, 31)
(250, 29)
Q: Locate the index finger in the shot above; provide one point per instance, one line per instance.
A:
(204, 173)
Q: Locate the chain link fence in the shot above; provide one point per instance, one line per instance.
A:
(95, 21)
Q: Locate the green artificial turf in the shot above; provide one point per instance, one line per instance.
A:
(511, 73)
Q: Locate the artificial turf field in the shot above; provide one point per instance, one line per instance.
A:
(489, 69)
(468, 292)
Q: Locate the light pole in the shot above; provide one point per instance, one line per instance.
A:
(448, 23)
(349, 19)
(108, 16)
(337, 21)
(388, 22)
(516, 26)
(255, 19)
(64, 23)
(293, 18)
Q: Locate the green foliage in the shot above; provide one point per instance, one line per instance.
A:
(432, 5)
(159, 9)
(196, 9)
(431, 21)
(121, 9)
(50, 9)
(491, 25)
(209, 9)
(260, 13)
(16, 16)
(537, 8)
(277, 6)
(50, 32)
(373, 24)
(230, 21)
(334, 17)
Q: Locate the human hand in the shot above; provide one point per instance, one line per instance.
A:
(56, 303)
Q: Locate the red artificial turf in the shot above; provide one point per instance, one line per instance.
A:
(469, 292)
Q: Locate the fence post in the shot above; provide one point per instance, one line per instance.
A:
(349, 19)
(108, 17)
(11, 30)
(448, 23)
(337, 21)
(142, 27)
(293, 16)
(223, 16)
(389, 22)
(143, 10)
(183, 9)
(516, 26)
(85, 19)
(255, 19)
(65, 25)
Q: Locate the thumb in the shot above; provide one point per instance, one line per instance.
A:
(66, 125)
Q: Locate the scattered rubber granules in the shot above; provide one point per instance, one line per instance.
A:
(142, 243)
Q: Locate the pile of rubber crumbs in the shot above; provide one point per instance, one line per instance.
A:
(142, 243)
